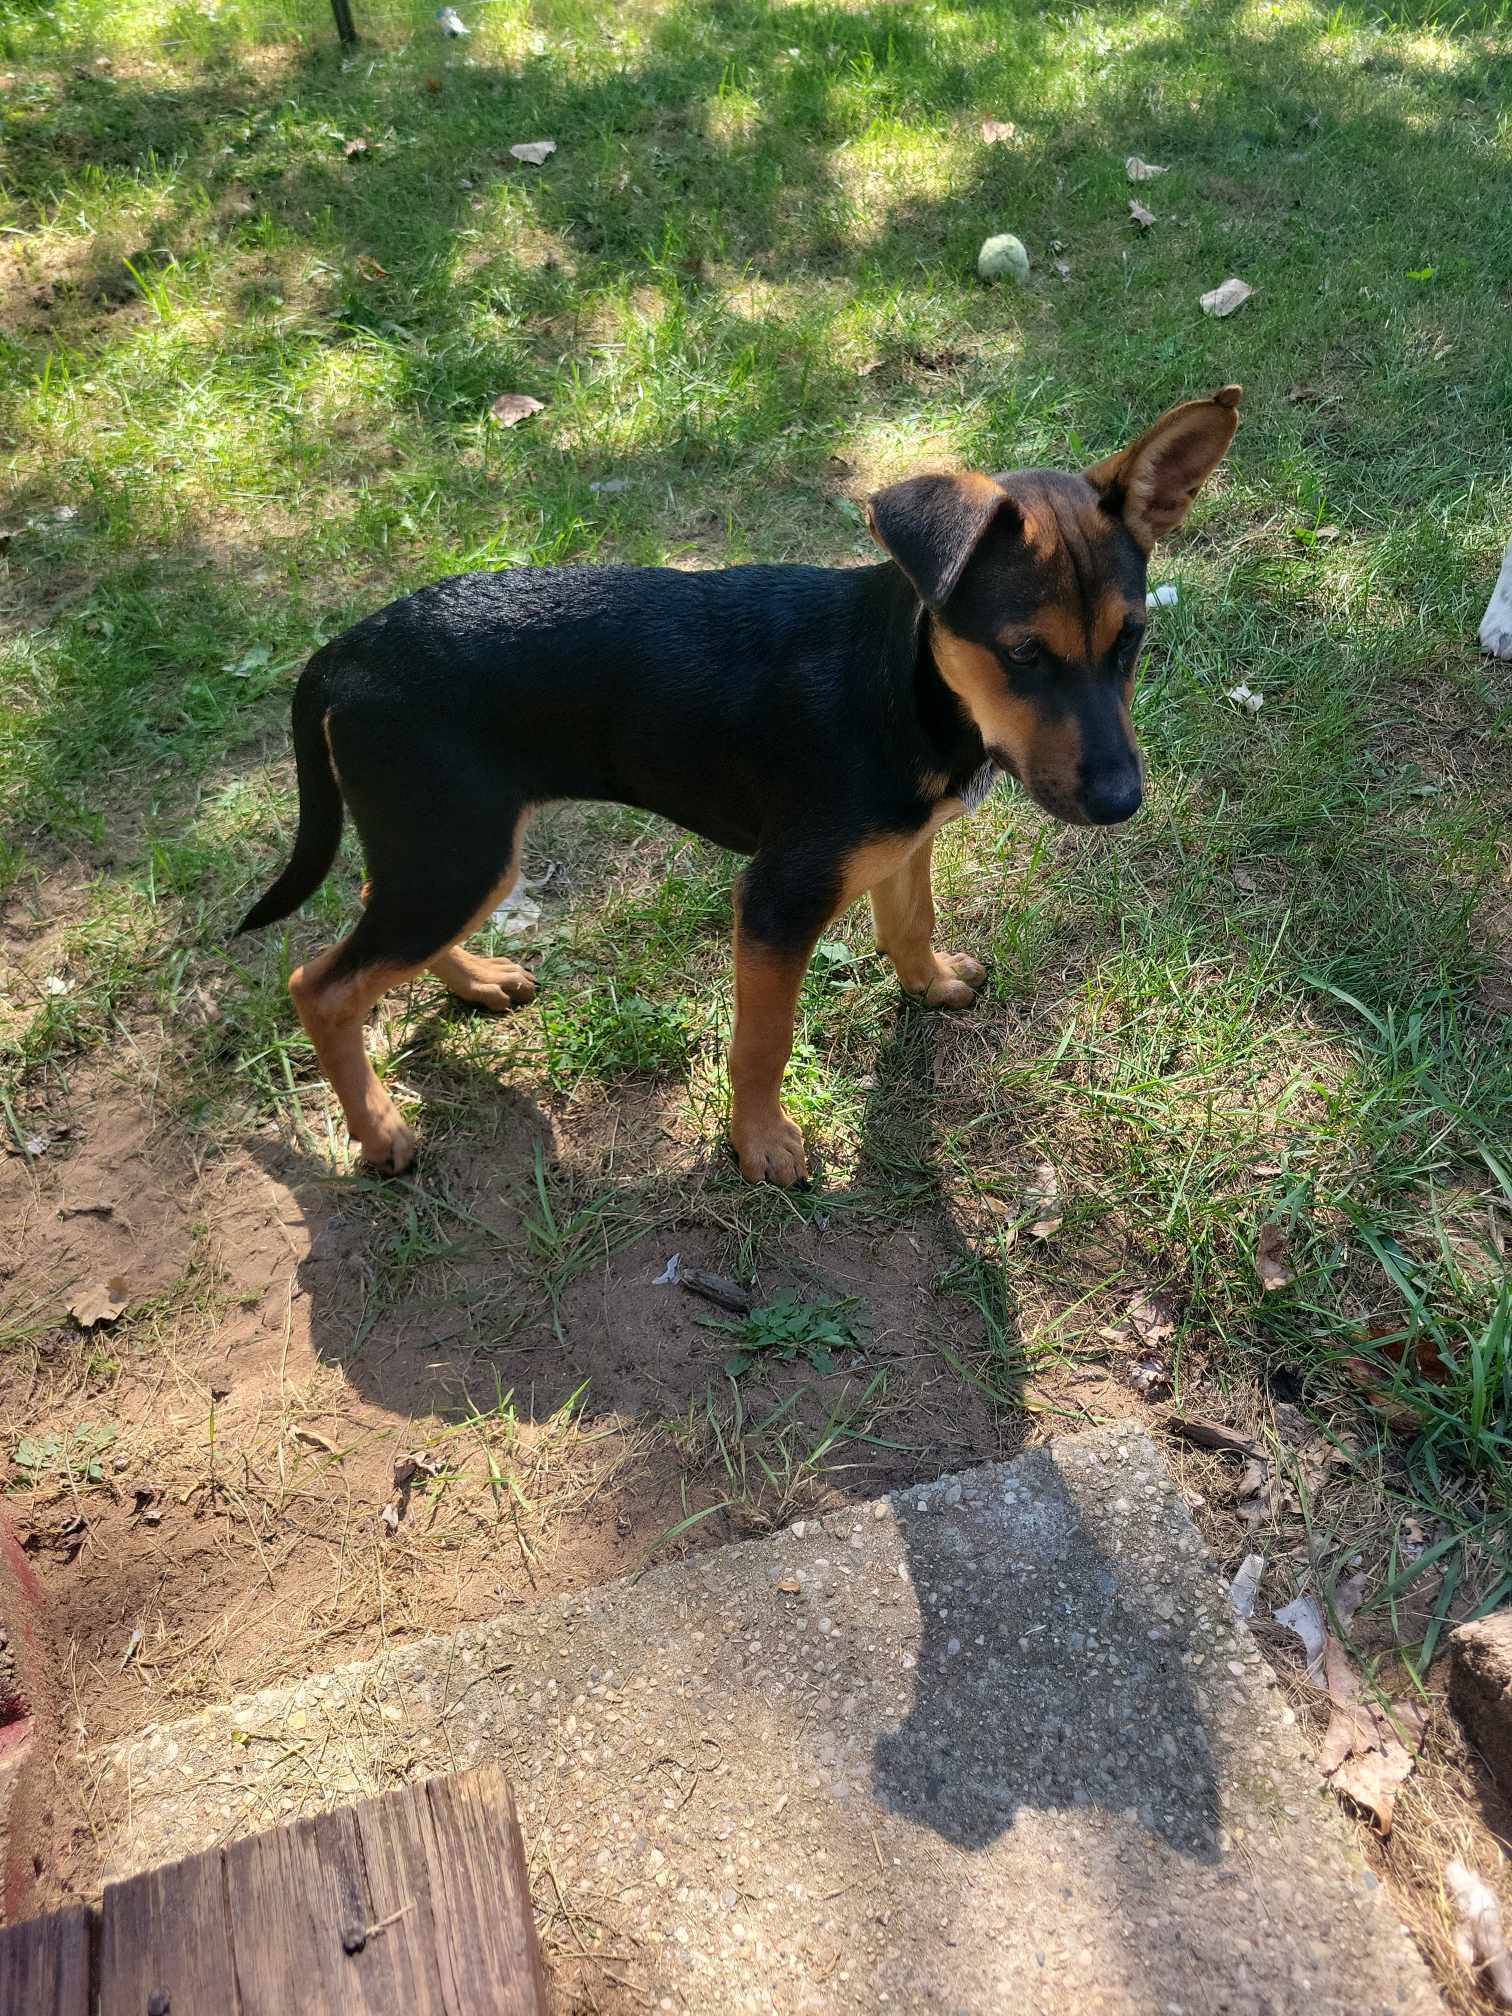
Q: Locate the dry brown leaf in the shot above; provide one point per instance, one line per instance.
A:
(996, 131)
(1270, 1259)
(1479, 1939)
(1141, 171)
(1370, 1775)
(1373, 1376)
(533, 151)
(354, 147)
(1151, 1318)
(1224, 300)
(369, 268)
(102, 1303)
(1142, 217)
(1264, 1170)
(1363, 1755)
(790, 1586)
(510, 408)
(313, 1439)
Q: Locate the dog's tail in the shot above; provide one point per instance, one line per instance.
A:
(319, 833)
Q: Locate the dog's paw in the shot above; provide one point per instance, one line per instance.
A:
(770, 1150)
(495, 985)
(957, 978)
(391, 1150)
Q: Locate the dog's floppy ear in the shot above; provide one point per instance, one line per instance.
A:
(1150, 484)
(931, 525)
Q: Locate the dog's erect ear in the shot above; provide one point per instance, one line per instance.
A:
(931, 525)
(1150, 484)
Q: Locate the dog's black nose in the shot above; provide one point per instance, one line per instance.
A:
(1113, 799)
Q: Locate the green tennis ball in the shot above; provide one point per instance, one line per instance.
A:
(1003, 258)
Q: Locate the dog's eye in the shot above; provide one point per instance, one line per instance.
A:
(1026, 653)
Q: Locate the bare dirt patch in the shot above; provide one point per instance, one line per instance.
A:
(206, 1479)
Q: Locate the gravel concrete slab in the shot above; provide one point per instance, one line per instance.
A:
(994, 1746)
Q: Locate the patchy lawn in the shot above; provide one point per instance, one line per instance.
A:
(256, 300)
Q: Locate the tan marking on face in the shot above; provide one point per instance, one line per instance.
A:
(1003, 720)
(1113, 611)
(1059, 630)
(1045, 755)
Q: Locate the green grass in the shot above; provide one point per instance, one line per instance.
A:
(244, 391)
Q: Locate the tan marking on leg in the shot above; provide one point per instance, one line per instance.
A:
(333, 1012)
(495, 984)
(903, 906)
(768, 1143)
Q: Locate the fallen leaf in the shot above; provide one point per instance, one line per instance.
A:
(1142, 217)
(533, 151)
(1141, 171)
(1270, 1259)
(510, 408)
(355, 146)
(313, 1439)
(390, 1515)
(1224, 300)
(790, 1586)
(1151, 1318)
(1042, 1202)
(1245, 880)
(1263, 1170)
(1370, 1774)
(996, 131)
(1375, 1376)
(368, 267)
(100, 1304)
(1245, 1586)
(1479, 1939)
(1149, 1373)
(1303, 1617)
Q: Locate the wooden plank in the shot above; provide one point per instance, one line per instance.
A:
(305, 1913)
(44, 1965)
(485, 1929)
(164, 1934)
(415, 1904)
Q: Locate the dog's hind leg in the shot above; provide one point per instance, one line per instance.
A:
(419, 905)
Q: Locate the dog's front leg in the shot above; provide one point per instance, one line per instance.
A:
(903, 906)
(777, 924)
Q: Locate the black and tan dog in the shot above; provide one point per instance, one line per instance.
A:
(827, 722)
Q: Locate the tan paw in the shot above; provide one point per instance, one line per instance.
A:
(391, 1150)
(957, 978)
(770, 1150)
(496, 985)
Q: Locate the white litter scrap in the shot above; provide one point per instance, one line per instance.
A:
(1166, 596)
(451, 22)
(1245, 1586)
(1305, 1619)
(671, 1274)
(519, 914)
(1221, 301)
(1244, 696)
